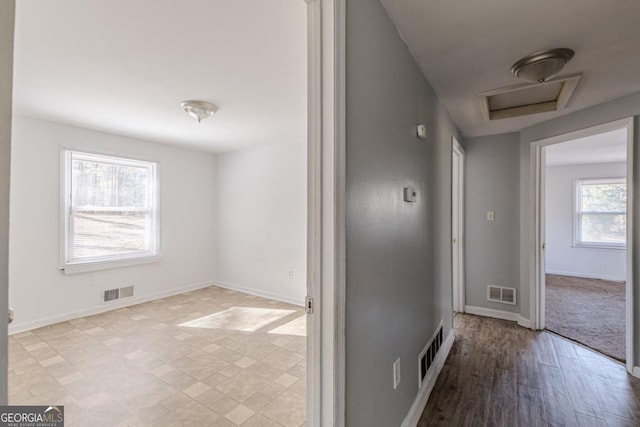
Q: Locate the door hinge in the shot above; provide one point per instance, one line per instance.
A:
(308, 304)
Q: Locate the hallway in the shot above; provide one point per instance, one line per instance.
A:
(500, 374)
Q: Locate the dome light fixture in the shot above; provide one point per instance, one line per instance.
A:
(199, 110)
(542, 65)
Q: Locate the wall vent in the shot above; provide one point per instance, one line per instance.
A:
(501, 294)
(428, 354)
(111, 295)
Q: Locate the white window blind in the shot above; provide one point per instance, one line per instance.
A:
(601, 212)
(110, 210)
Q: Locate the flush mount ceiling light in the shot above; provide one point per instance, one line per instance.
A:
(199, 110)
(542, 65)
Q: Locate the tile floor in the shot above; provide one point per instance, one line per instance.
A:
(211, 357)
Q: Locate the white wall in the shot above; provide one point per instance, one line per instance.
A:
(39, 292)
(561, 256)
(262, 220)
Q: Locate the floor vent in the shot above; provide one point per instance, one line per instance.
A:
(428, 354)
(501, 294)
(111, 295)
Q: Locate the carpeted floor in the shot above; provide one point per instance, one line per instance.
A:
(589, 311)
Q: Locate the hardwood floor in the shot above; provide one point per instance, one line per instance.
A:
(500, 374)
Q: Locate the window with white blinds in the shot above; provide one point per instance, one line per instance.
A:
(110, 209)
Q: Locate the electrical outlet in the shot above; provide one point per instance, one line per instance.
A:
(396, 373)
(290, 274)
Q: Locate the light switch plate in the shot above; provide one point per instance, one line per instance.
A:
(491, 216)
(396, 373)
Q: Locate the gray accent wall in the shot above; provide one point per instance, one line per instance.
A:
(492, 175)
(398, 254)
(7, 12)
(628, 106)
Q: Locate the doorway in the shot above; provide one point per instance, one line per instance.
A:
(287, 275)
(583, 195)
(457, 225)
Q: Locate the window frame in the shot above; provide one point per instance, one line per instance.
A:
(577, 214)
(73, 266)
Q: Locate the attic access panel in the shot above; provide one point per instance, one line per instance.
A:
(527, 99)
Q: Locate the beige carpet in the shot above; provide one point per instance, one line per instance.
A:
(589, 311)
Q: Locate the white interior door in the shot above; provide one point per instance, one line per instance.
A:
(457, 226)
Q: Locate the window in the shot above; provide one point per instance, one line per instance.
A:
(601, 212)
(110, 211)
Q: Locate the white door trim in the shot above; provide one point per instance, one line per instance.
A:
(326, 212)
(537, 168)
(7, 15)
(314, 209)
(457, 230)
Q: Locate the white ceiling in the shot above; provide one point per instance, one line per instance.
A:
(124, 66)
(467, 47)
(606, 147)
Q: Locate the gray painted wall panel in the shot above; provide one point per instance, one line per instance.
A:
(491, 249)
(398, 263)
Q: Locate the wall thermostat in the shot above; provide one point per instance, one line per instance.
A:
(410, 194)
(421, 130)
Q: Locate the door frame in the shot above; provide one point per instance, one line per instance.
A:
(457, 227)
(326, 220)
(537, 279)
(7, 14)
(326, 212)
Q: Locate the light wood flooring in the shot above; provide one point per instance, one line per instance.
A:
(500, 374)
(211, 357)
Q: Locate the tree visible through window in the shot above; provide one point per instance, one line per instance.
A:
(601, 212)
(110, 210)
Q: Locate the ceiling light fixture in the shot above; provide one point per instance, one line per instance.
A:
(199, 110)
(542, 65)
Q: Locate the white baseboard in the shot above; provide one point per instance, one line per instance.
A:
(413, 417)
(259, 293)
(498, 314)
(636, 371)
(488, 312)
(525, 323)
(18, 327)
(586, 276)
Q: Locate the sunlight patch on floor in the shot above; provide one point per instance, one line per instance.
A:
(296, 327)
(246, 319)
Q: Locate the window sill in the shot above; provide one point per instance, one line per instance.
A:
(597, 246)
(86, 267)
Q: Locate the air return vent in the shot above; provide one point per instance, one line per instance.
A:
(111, 295)
(501, 294)
(428, 354)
